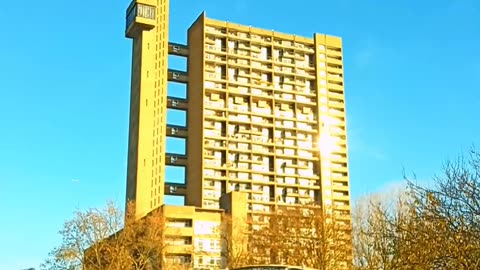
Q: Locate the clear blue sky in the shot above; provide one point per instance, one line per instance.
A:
(412, 73)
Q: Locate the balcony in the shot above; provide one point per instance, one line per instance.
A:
(304, 48)
(140, 17)
(304, 74)
(334, 52)
(241, 118)
(337, 60)
(299, 57)
(215, 49)
(214, 58)
(334, 69)
(304, 100)
(215, 31)
(336, 112)
(215, 115)
(210, 68)
(210, 40)
(239, 62)
(335, 94)
(342, 169)
(339, 158)
(239, 90)
(339, 187)
(335, 77)
(337, 131)
(336, 104)
(212, 76)
(261, 39)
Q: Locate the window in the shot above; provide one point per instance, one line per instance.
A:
(146, 11)
(179, 223)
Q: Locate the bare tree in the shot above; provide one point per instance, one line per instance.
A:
(427, 227)
(234, 241)
(378, 226)
(106, 239)
(85, 229)
(303, 236)
(449, 213)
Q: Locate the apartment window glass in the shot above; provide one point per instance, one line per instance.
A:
(140, 10)
(146, 11)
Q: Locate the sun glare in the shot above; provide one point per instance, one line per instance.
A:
(326, 143)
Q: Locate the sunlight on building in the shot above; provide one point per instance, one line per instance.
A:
(326, 144)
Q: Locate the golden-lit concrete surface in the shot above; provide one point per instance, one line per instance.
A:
(195, 90)
(268, 117)
(265, 117)
(148, 105)
(194, 235)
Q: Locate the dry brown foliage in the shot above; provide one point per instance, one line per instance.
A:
(302, 236)
(105, 239)
(428, 227)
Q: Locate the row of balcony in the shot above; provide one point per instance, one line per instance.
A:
(274, 193)
(219, 175)
(265, 198)
(233, 34)
(264, 88)
(237, 88)
(280, 77)
(263, 53)
(256, 177)
(260, 62)
(239, 58)
(237, 132)
(307, 125)
(217, 188)
(297, 150)
(264, 107)
(255, 135)
(265, 207)
(279, 122)
(280, 111)
(244, 40)
(253, 81)
(245, 139)
(264, 193)
(244, 64)
(265, 163)
(217, 55)
(262, 168)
